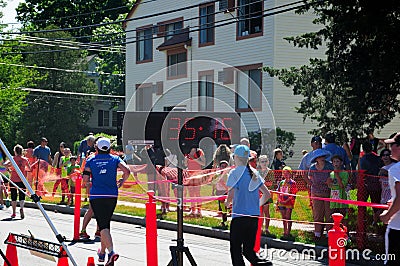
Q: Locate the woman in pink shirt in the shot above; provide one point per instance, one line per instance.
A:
(195, 161)
(24, 166)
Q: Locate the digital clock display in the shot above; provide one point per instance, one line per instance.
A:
(183, 129)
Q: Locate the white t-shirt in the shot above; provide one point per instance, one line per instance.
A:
(394, 176)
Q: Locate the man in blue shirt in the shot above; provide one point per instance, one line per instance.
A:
(85, 146)
(43, 152)
(334, 149)
(316, 143)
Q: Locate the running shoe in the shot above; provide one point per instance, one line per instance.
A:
(112, 257)
(1, 206)
(84, 235)
(97, 234)
(21, 212)
(102, 257)
(13, 216)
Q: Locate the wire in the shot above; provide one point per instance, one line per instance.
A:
(109, 23)
(232, 20)
(80, 94)
(65, 70)
(78, 46)
(77, 15)
(187, 19)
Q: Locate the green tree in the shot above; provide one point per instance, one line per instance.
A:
(272, 139)
(111, 60)
(66, 14)
(355, 88)
(12, 98)
(59, 117)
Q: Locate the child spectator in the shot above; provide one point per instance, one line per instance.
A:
(286, 188)
(72, 171)
(269, 181)
(338, 182)
(222, 189)
(245, 184)
(64, 175)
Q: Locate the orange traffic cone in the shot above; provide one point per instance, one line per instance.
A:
(63, 259)
(11, 252)
(90, 262)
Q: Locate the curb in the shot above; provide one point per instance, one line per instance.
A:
(206, 231)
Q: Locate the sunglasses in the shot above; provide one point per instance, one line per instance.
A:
(385, 154)
(263, 161)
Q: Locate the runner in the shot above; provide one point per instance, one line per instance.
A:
(104, 193)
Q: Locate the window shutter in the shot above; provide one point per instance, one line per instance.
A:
(231, 5)
(161, 30)
(160, 88)
(228, 75)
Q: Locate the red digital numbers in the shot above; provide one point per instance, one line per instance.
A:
(178, 128)
(189, 128)
(192, 129)
(222, 129)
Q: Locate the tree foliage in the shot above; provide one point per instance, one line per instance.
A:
(113, 59)
(60, 117)
(266, 140)
(12, 99)
(70, 14)
(355, 88)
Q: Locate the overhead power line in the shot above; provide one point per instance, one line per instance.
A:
(77, 15)
(186, 19)
(64, 70)
(108, 23)
(117, 97)
(196, 28)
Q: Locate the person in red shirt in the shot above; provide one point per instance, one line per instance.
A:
(24, 166)
(195, 161)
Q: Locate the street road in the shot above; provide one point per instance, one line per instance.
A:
(129, 241)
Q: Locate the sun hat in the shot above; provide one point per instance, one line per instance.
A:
(319, 153)
(103, 144)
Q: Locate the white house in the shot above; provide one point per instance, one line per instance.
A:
(207, 56)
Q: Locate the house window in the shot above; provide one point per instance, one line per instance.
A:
(172, 29)
(249, 92)
(103, 118)
(250, 22)
(144, 45)
(206, 91)
(176, 62)
(144, 97)
(114, 119)
(206, 22)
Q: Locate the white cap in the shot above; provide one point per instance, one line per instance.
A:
(103, 144)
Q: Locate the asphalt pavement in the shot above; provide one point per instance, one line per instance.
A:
(129, 242)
